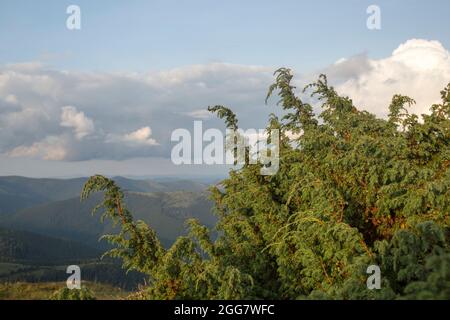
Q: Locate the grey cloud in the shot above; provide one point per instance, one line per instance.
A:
(103, 105)
(345, 69)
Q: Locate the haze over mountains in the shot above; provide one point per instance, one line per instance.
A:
(19, 192)
(43, 222)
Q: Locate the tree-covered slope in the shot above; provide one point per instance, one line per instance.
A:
(72, 219)
(13, 189)
(27, 247)
(18, 193)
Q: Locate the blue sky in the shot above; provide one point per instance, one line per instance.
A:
(105, 99)
(144, 35)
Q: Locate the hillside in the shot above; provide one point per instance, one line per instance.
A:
(72, 219)
(23, 246)
(18, 193)
(107, 271)
(44, 227)
(30, 257)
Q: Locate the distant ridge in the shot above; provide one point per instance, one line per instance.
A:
(17, 193)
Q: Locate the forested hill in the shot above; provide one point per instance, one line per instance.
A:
(17, 193)
(28, 247)
(72, 219)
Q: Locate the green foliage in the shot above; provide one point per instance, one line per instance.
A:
(225, 113)
(352, 191)
(73, 294)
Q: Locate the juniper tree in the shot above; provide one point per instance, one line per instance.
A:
(352, 190)
(72, 294)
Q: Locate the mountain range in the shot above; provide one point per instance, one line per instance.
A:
(43, 223)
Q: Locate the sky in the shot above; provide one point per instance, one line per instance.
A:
(105, 98)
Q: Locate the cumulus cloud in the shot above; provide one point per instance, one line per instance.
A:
(417, 68)
(82, 125)
(51, 148)
(141, 137)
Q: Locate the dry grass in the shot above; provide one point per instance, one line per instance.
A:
(42, 291)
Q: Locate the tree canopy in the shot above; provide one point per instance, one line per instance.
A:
(352, 190)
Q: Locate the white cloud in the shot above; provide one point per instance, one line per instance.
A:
(11, 99)
(199, 114)
(210, 75)
(51, 148)
(141, 136)
(417, 68)
(71, 118)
